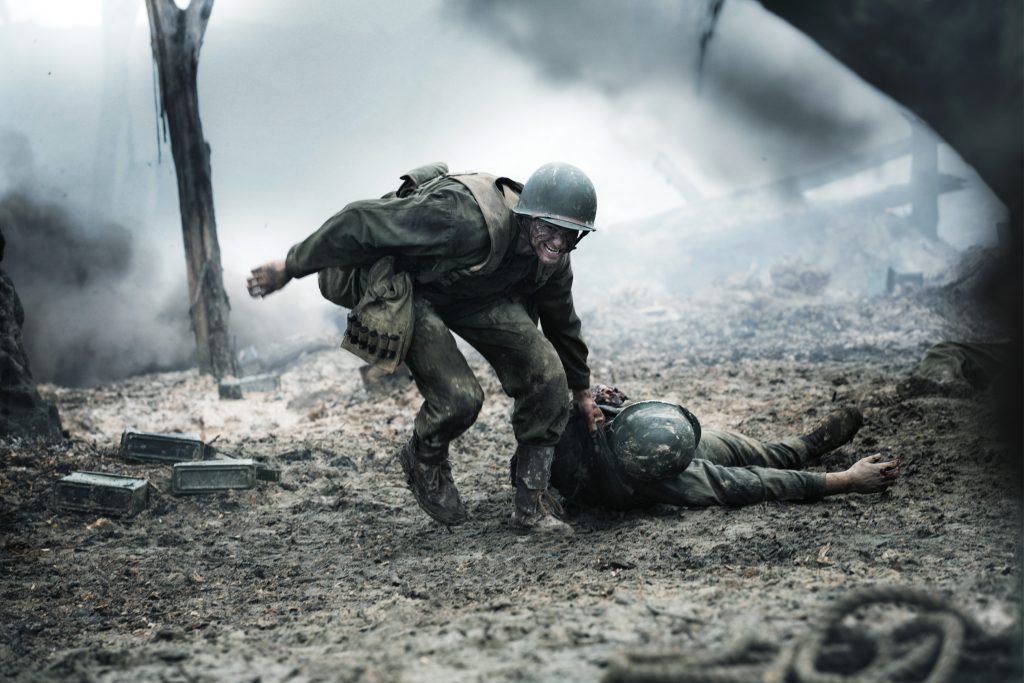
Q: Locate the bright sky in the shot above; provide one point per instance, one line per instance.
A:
(310, 105)
(65, 13)
(297, 65)
(315, 103)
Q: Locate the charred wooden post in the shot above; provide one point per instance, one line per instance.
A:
(177, 36)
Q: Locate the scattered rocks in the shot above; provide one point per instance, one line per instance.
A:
(796, 275)
(337, 574)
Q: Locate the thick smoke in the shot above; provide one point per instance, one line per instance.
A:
(767, 104)
(94, 308)
(103, 300)
(757, 91)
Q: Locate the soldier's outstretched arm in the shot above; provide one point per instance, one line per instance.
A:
(267, 278)
(704, 484)
(445, 222)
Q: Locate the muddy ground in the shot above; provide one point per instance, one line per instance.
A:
(335, 574)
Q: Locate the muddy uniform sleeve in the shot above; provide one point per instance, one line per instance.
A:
(442, 223)
(704, 484)
(562, 326)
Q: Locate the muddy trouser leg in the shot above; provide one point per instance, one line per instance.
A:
(531, 372)
(731, 469)
(736, 450)
(527, 366)
(452, 397)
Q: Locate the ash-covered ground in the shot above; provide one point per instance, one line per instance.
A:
(335, 574)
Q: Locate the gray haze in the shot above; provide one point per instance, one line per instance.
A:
(775, 97)
(99, 301)
(310, 104)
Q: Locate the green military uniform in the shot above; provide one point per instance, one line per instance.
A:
(436, 231)
(728, 469)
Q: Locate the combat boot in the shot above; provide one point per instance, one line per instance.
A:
(832, 431)
(534, 508)
(429, 477)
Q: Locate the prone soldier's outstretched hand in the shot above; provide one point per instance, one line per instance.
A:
(872, 474)
(267, 278)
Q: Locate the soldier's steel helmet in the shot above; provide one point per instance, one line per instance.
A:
(653, 440)
(560, 194)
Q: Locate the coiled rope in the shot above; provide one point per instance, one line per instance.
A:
(939, 644)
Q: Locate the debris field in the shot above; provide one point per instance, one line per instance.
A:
(333, 572)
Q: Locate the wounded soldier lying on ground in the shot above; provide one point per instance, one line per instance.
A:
(652, 452)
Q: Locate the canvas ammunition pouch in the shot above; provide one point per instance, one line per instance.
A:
(342, 286)
(380, 326)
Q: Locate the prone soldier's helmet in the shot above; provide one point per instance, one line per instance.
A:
(653, 440)
(560, 194)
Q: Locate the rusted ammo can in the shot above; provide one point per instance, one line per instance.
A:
(236, 388)
(894, 280)
(265, 472)
(211, 476)
(265, 382)
(229, 389)
(161, 448)
(108, 494)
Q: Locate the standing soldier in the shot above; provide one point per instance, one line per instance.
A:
(484, 257)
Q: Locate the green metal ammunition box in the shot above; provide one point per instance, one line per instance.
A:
(161, 448)
(210, 476)
(236, 388)
(108, 494)
(230, 389)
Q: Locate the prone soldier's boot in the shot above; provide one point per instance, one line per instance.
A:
(832, 431)
(534, 508)
(429, 477)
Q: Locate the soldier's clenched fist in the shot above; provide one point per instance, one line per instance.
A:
(267, 278)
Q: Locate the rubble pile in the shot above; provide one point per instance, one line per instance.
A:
(730, 324)
(796, 275)
(23, 412)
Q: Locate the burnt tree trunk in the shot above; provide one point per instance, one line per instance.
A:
(177, 36)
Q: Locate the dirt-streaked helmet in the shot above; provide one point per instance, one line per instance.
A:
(560, 194)
(653, 440)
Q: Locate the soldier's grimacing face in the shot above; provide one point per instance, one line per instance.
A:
(549, 242)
